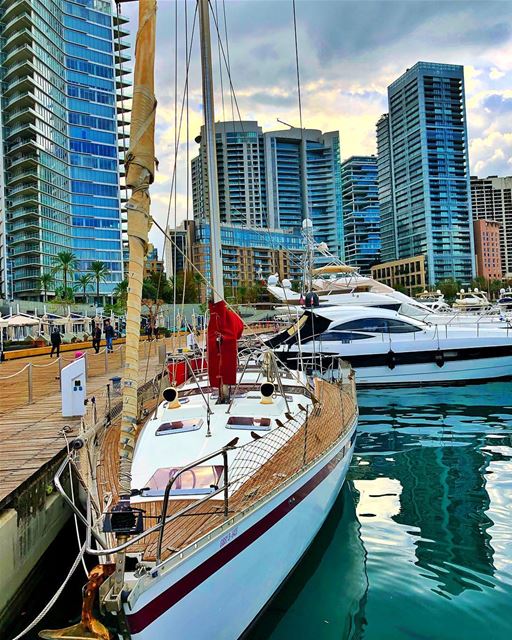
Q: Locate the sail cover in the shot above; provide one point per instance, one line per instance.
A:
(224, 330)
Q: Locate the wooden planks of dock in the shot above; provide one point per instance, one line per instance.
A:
(31, 433)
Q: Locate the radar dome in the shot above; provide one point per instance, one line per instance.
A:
(286, 284)
(273, 280)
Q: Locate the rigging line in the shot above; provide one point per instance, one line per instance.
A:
(176, 149)
(227, 51)
(233, 93)
(297, 63)
(187, 155)
(220, 68)
(176, 145)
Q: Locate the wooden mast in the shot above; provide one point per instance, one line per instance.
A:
(140, 169)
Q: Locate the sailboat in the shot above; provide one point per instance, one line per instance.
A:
(198, 516)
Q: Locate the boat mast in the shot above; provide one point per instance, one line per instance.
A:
(216, 270)
(140, 169)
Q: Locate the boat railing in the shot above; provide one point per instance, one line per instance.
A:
(247, 478)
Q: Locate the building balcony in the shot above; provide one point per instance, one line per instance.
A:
(15, 22)
(28, 202)
(27, 248)
(20, 176)
(24, 66)
(24, 127)
(23, 161)
(22, 237)
(25, 187)
(22, 262)
(25, 145)
(27, 223)
(13, 9)
(21, 274)
(30, 215)
(120, 45)
(18, 84)
(26, 287)
(19, 100)
(19, 38)
(121, 56)
(19, 116)
(121, 82)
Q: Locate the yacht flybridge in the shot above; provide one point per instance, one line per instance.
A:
(198, 509)
(387, 348)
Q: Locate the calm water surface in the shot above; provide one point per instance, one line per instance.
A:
(419, 545)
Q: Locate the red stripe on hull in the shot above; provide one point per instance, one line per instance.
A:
(168, 598)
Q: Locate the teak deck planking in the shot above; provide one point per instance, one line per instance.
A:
(323, 430)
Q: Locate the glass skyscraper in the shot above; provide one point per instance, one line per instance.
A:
(275, 179)
(424, 172)
(60, 173)
(361, 216)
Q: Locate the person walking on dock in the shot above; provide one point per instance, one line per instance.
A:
(96, 338)
(55, 339)
(109, 336)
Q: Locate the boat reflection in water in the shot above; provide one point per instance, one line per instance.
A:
(326, 595)
(433, 478)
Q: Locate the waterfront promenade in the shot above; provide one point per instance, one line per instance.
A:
(31, 422)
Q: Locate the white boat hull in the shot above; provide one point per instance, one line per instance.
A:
(458, 371)
(220, 587)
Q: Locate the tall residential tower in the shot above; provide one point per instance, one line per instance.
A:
(424, 172)
(361, 217)
(275, 180)
(59, 161)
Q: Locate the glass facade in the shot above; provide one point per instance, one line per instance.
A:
(60, 160)
(275, 180)
(249, 254)
(361, 214)
(423, 172)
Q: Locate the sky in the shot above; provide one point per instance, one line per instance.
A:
(349, 52)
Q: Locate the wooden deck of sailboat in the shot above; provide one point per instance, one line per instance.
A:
(323, 429)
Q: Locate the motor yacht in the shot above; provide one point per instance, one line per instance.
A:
(470, 301)
(385, 347)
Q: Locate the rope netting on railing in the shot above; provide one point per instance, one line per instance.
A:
(263, 465)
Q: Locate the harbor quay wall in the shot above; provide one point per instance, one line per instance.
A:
(28, 525)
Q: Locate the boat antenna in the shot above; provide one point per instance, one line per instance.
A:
(140, 170)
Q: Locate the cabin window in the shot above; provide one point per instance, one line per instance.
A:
(379, 325)
(342, 336)
(248, 422)
(200, 479)
(179, 426)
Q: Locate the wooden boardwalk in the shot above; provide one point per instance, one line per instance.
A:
(31, 436)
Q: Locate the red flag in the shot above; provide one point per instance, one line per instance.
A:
(224, 331)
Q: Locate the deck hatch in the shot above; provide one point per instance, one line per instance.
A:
(179, 426)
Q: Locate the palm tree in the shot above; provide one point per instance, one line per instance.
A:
(65, 261)
(100, 273)
(83, 282)
(46, 280)
(121, 293)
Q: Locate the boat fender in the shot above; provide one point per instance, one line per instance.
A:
(391, 359)
(439, 358)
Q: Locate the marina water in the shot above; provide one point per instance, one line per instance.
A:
(419, 544)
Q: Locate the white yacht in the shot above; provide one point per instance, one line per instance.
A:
(368, 292)
(470, 301)
(387, 348)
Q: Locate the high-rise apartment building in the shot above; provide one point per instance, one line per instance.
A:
(487, 249)
(491, 199)
(59, 163)
(275, 179)
(423, 172)
(361, 216)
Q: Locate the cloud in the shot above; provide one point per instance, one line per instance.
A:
(349, 52)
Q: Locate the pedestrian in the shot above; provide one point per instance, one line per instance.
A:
(149, 331)
(109, 336)
(55, 339)
(96, 338)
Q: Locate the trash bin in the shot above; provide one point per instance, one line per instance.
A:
(116, 385)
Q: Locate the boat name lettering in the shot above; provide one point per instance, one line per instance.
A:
(228, 537)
